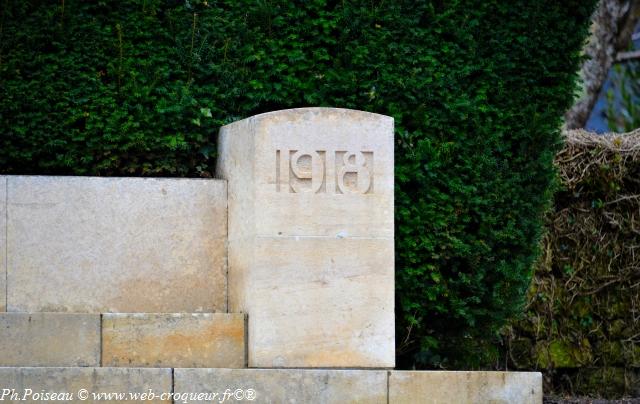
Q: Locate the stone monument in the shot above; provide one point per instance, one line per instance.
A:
(170, 289)
(311, 254)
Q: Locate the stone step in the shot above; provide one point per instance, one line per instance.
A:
(174, 340)
(465, 387)
(123, 340)
(49, 339)
(271, 385)
(361, 386)
(283, 385)
(96, 245)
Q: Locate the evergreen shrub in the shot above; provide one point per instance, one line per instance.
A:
(477, 90)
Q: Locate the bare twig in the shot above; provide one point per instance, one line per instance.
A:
(624, 56)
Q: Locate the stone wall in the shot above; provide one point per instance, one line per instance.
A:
(582, 322)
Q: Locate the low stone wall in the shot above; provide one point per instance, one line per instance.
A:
(582, 322)
(105, 278)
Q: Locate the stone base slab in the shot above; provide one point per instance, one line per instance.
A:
(285, 385)
(49, 339)
(3, 243)
(281, 385)
(444, 387)
(365, 386)
(31, 384)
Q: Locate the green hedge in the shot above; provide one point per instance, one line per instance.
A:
(477, 89)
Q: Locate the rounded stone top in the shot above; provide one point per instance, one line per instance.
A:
(315, 113)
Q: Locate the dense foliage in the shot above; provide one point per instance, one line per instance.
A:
(477, 89)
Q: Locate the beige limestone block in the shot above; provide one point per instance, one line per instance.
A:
(283, 385)
(173, 340)
(130, 383)
(321, 302)
(49, 339)
(442, 387)
(81, 244)
(311, 256)
(3, 243)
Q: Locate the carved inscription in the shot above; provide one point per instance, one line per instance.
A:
(324, 171)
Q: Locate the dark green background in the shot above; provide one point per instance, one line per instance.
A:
(477, 90)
